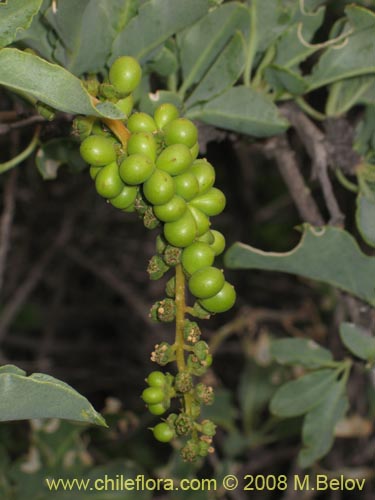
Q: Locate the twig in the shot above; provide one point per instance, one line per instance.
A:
(35, 275)
(314, 141)
(127, 292)
(6, 128)
(6, 221)
(279, 149)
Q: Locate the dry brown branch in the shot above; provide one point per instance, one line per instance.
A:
(6, 221)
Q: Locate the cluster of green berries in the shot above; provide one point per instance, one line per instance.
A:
(152, 168)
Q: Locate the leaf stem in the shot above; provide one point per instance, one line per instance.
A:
(117, 127)
(180, 322)
(309, 110)
(344, 181)
(4, 167)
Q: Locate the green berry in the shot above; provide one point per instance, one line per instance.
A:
(153, 395)
(141, 122)
(125, 105)
(181, 131)
(159, 188)
(125, 74)
(142, 143)
(108, 182)
(186, 185)
(205, 174)
(175, 159)
(201, 220)
(136, 169)
(171, 211)
(157, 409)
(156, 379)
(196, 256)
(206, 238)
(125, 198)
(206, 282)
(94, 172)
(98, 150)
(182, 232)
(195, 151)
(211, 203)
(163, 432)
(218, 243)
(222, 301)
(164, 114)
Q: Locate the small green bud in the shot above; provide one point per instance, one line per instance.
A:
(201, 350)
(172, 255)
(141, 204)
(170, 287)
(183, 382)
(195, 366)
(82, 126)
(199, 312)
(183, 424)
(204, 394)
(156, 267)
(208, 428)
(163, 354)
(149, 219)
(164, 311)
(192, 331)
(108, 92)
(161, 244)
(190, 451)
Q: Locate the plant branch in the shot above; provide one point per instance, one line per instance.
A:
(279, 149)
(316, 146)
(4, 167)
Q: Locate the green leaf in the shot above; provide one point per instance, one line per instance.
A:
(42, 396)
(204, 41)
(149, 102)
(322, 254)
(365, 218)
(86, 31)
(39, 37)
(358, 341)
(16, 15)
(365, 136)
(243, 110)
(290, 50)
(49, 83)
(300, 396)
(224, 72)
(55, 153)
(286, 80)
(354, 58)
(300, 352)
(319, 425)
(345, 94)
(156, 21)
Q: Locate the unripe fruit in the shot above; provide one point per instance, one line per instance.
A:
(211, 203)
(175, 159)
(142, 143)
(205, 174)
(164, 114)
(171, 211)
(195, 150)
(207, 238)
(141, 122)
(206, 282)
(186, 185)
(163, 432)
(196, 256)
(156, 409)
(98, 150)
(108, 182)
(125, 74)
(125, 105)
(136, 169)
(181, 131)
(182, 232)
(156, 379)
(222, 301)
(201, 220)
(159, 188)
(153, 395)
(94, 172)
(125, 198)
(218, 244)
